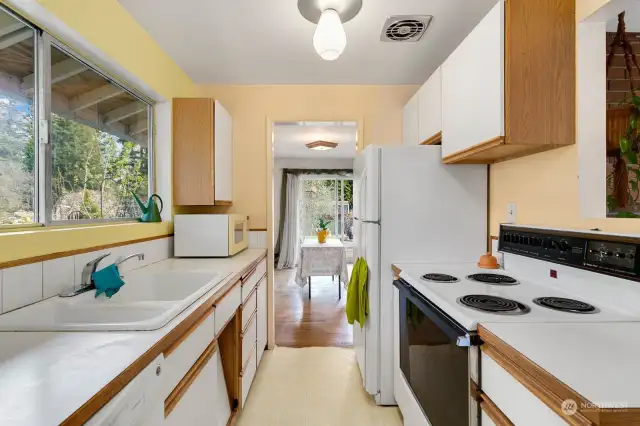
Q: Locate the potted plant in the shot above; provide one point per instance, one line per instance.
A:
(323, 230)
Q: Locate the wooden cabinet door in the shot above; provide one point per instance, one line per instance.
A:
(473, 86)
(430, 108)
(410, 122)
(193, 151)
(223, 155)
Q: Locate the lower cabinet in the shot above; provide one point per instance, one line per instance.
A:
(201, 398)
(262, 319)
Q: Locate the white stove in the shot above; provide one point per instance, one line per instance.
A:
(438, 306)
(446, 295)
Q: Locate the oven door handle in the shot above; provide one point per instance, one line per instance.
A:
(448, 325)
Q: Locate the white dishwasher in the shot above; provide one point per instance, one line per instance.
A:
(140, 403)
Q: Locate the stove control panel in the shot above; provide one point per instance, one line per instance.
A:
(606, 254)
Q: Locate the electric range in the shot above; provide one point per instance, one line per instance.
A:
(549, 275)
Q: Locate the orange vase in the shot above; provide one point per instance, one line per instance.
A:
(322, 236)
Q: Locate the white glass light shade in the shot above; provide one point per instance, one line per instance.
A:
(329, 40)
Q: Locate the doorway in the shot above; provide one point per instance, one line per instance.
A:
(312, 187)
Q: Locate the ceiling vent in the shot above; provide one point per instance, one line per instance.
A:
(405, 28)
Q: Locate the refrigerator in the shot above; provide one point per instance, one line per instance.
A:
(409, 207)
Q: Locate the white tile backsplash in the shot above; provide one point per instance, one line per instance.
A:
(37, 281)
(57, 276)
(21, 285)
(258, 239)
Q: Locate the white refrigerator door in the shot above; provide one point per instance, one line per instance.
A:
(367, 185)
(365, 340)
(430, 212)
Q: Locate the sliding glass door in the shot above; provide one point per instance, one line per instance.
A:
(330, 200)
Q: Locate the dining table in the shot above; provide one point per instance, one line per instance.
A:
(322, 259)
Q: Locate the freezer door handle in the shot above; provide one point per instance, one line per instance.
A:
(376, 222)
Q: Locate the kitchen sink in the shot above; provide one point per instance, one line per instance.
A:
(147, 301)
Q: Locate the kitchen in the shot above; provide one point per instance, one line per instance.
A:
(534, 181)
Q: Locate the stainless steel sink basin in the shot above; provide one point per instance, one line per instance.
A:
(147, 301)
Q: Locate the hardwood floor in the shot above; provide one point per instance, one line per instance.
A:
(301, 322)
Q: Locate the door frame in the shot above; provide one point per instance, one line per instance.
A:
(269, 141)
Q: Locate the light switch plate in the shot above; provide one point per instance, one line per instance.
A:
(511, 213)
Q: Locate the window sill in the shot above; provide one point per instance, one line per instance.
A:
(16, 244)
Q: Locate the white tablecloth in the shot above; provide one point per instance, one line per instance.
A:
(325, 259)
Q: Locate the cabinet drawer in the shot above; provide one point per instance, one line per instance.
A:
(519, 405)
(262, 319)
(186, 351)
(249, 339)
(226, 307)
(248, 374)
(249, 307)
(250, 281)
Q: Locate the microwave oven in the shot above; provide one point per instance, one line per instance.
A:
(209, 235)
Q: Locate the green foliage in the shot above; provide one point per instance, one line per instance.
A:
(93, 172)
(323, 225)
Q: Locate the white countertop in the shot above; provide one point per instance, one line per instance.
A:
(46, 377)
(597, 360)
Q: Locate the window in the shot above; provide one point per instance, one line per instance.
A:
(74, 144)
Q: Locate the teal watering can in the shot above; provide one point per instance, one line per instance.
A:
(150, 212)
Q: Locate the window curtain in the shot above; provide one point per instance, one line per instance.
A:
(288, 239)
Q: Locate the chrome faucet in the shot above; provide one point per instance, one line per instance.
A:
(120, 260)
(86, 282)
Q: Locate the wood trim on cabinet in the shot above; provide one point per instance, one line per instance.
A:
(222, 203)
(58, 255)
(167, 352)
(111, 389)
(494, 413)
(248, 274)
(435, 139)
(465, 154)
(396, 270)
(551, 391)
(232, 418)
(539, 390)
(183, 386)
(258, 229)
(229, 344)
(251, 320)
(248, 296)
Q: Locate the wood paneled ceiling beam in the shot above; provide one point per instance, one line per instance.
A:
(94, 96)
(15, 37)
(59, 72)
(123, 112)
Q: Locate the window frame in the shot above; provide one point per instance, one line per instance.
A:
(42, 123)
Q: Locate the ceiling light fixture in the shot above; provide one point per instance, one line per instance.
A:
(329, 39)
(321, 145)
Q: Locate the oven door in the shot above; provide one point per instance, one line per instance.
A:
(436, 354)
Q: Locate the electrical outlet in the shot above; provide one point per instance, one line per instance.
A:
(511, 213)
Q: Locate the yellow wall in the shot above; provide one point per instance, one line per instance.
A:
(378, 107)
(107, 26)
(545, 186)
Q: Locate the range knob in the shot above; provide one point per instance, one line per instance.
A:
(631, 256)
(506, 237)
(620, 255)
(515, 239)
(525, 240)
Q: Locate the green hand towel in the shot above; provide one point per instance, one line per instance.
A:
(357, 297)
(107, 281)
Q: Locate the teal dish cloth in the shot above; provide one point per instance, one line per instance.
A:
(107, 281)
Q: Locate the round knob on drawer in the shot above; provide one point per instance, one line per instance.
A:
(158, 370)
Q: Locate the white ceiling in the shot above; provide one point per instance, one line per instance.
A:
(269, 42)
(289, 140)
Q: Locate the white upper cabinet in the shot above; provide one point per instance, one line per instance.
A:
(473, 86)
(508, 90)
(430, 109)
(410, 122)
(223, 129)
